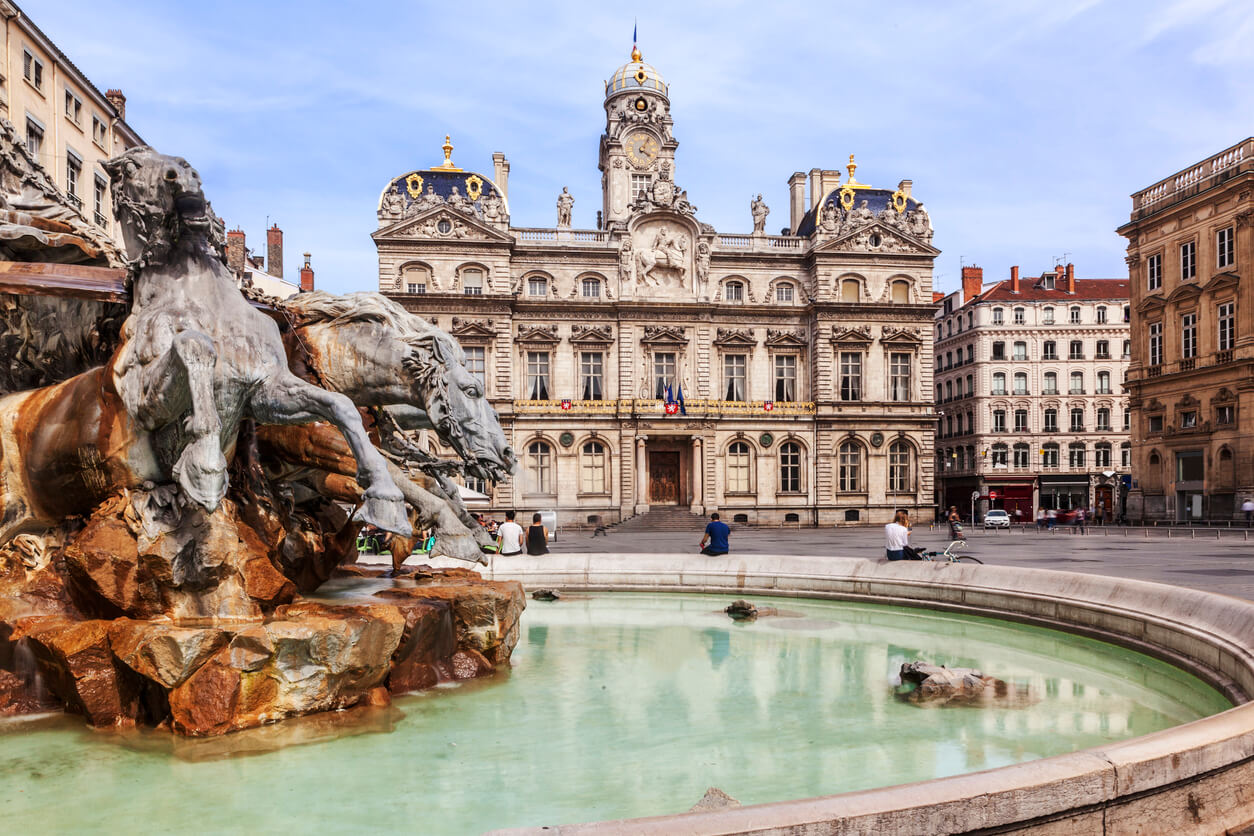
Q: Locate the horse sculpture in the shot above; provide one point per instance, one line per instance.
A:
(196, 358)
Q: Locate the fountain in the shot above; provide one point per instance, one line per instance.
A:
(180, 464)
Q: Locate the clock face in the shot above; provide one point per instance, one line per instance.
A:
(642, 149)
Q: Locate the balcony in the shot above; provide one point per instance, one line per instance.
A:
(1222, 357)
(1207, 173)
(593, 237)
(100, 219)
(1154, 371)
(1188, 364)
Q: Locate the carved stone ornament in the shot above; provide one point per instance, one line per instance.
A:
(778, 337)
(900, 335)
(586, 334)
(662, 254)
(537, 334)
(1224, 395)
(851, 334)
(472, 328)
(735, 336)
(664, 334)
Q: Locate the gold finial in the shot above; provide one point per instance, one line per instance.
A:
(852, 167)
(447, 165)
(635, 54)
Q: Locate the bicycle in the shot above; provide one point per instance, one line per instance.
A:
(949, 554)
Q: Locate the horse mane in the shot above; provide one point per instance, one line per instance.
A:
(318, 307)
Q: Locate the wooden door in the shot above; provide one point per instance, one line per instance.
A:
(664, 478)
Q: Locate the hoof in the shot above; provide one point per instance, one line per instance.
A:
(385, 513)
(202, 472)
(458, 547)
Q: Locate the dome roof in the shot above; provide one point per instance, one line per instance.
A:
(635, 75)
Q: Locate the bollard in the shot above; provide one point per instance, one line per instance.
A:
(1146, 530)
(1192, 533)
(1216, 534)
(1169, 534)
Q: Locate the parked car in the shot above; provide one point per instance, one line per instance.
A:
(997, 518)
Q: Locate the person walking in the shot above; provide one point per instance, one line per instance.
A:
(537, 537)
(716, 534)
(897, 536)
(1080, 515)
(1051, 519)
(1248, 508)
(509, 536)
(955, 523)
(1040, 518)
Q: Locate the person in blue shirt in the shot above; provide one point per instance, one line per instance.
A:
(716, 534)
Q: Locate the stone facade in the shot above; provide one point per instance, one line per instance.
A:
(1028, 387)
(583, 335)
(1191, 379)
(68, 125)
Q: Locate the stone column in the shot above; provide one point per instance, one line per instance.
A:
(642, 482)
(698, 476)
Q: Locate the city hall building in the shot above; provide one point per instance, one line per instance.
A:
(656, 361)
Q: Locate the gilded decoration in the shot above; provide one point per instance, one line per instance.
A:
(899, 200)
(474, 186)
(413, 185)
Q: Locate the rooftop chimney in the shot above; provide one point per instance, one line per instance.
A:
(1069, 285)
(115, 98)
(1014, 279)
(274, 251)
(500, 173)
(796, 200)
(972, 282)
(235, 250)
(816, 186)
(306, 276)
(906, 187)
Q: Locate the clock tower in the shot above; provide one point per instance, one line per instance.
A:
(637, 148)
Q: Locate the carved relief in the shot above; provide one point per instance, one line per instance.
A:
(589, 334)
(662, 254)
(537, 334)
(664, 334)
(779, 337)
(851, 334)
(472, 328)
(735, 336)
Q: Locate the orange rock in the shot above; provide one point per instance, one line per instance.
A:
(485, 613)
(79, 667)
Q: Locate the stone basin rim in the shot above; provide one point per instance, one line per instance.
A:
(1180, 780)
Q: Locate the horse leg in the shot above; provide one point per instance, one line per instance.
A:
(446, 489)
(452, 537)
(286, 399)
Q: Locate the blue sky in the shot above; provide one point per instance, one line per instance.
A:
(1024, 125)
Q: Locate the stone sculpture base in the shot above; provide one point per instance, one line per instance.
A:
(148, 616)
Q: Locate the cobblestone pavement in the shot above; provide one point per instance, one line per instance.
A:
(1213, 560)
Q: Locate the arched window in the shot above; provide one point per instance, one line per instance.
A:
(900, 467)
(738, 467)
(1051, 384)
(591, 288)
(1224, 472)
(472, 281)
(999, 316)
(1075, 455)
(1049, 350)
(1101, 314)
(415, 278)
(1021, 350)
(850, 467)
(1047, 316)
(784, 292)
(1001, 455)
(970, 385)
(850, 290)
(1075, 314)
(970, 319)
(537, 286)
(1020, 316)
(790, 467)
(949, 390)
(1101, 455)
(540, 466)
(734, 291)
(1103, 419)
(1125, 455)
(1077, 419)
(999, 383)
(1021, 383)
(1103, 383)
(592, 470)
(1153, 478)
(1049, 455)
(901, 292)
(1077, 383)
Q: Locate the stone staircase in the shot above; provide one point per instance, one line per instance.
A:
(661, 518)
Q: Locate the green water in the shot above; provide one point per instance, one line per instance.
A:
(617, 705)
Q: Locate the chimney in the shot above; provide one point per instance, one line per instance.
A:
(816, 187)
(1014, 279)
(1070, 281)
(274, 251)
(972, 282)
(500, 173)
(115, 98)
(796, 200)
(235, 250)
(306, 276)
(905, 187)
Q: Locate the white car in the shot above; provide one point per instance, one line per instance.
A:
(997, 518)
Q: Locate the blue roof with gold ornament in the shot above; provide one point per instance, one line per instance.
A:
(444, 180)
(635, 76)
(850, 195)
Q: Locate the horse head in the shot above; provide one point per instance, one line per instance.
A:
(158, 200)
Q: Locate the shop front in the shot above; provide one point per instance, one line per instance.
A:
(1064, 493)
(1015, 495)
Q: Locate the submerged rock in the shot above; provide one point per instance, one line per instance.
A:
(930, 684)
(714, 799)
(545, 595)
(741, 610)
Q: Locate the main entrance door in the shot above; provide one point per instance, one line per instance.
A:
(663, 478)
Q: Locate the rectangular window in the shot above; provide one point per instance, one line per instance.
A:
(99, 131)
(999, 420)
(73, 173)
(538, 375)
(1019, 316)
(785, 378)
(1000, 456)
(99, 189)
(1049, 456)
(73, 108)
(33, 69)
(783, 292)
(1227, 323)
(1188, 335)
(1154, 271)
(1156, 423)
(1188, 420)
(1103, 419)
(1077, 420)
(592, 288)
(999, 383)
(664, 371)
(1225, 252)
(1125, 456)
(472, 282)
(1127, 420)
(476, 363)
(1050, 386)
(641, 185)
(1188, 261)
(734, 367)
(1021, 455)
(1021, 351)
(1156, 344)
(591, 373)
(1075, 316)
(1103, 350)
(1020, 383)
(1021, 420)
(1075, 456)
(1050, 350)
(998, 316)
(1076, 351)
(899, 377)
(1224, 414)
(850, 376)
(1101, 316)
(34, 137)
(1127, 349)
(999, 350)
(734, 292)
(1051, 420)
(1048, 317)
(537, 286)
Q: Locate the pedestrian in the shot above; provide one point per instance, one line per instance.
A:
(1040, 518)
(509, 536)
(1018, 515)
(897, 536)
(716, 534)
(1248, 508)
(1101, 513)
(537, 537)
(1051, 519)
(955, 523)
(1078, 520)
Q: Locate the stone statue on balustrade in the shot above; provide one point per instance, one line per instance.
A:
(393, 205)
(919, 224)
(760, 210)
(461, 202)
(565, 206)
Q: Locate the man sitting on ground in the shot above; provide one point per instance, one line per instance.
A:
(716, 533)
(509, 536)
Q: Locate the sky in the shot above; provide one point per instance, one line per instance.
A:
(1024, 125)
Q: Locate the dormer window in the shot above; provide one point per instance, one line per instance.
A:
(591, 288)
(537, 286)
(734, 292)
(1047, 281)
(783, 292)
(472, 282)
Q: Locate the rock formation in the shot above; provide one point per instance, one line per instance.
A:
(926, 684)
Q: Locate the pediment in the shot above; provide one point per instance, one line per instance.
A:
(473, 329)
(877, 238)
(664, 335)
(1184, 291)
(900, 336)
(1224, 395)
(735, 337)
(537, 334)
(426, 226)
(592, 335)
(1151, 302)
(857, 335)
(1221, 281)
(777, 338)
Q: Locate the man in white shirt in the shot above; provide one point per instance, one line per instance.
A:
(897, 536)
(509, 536)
